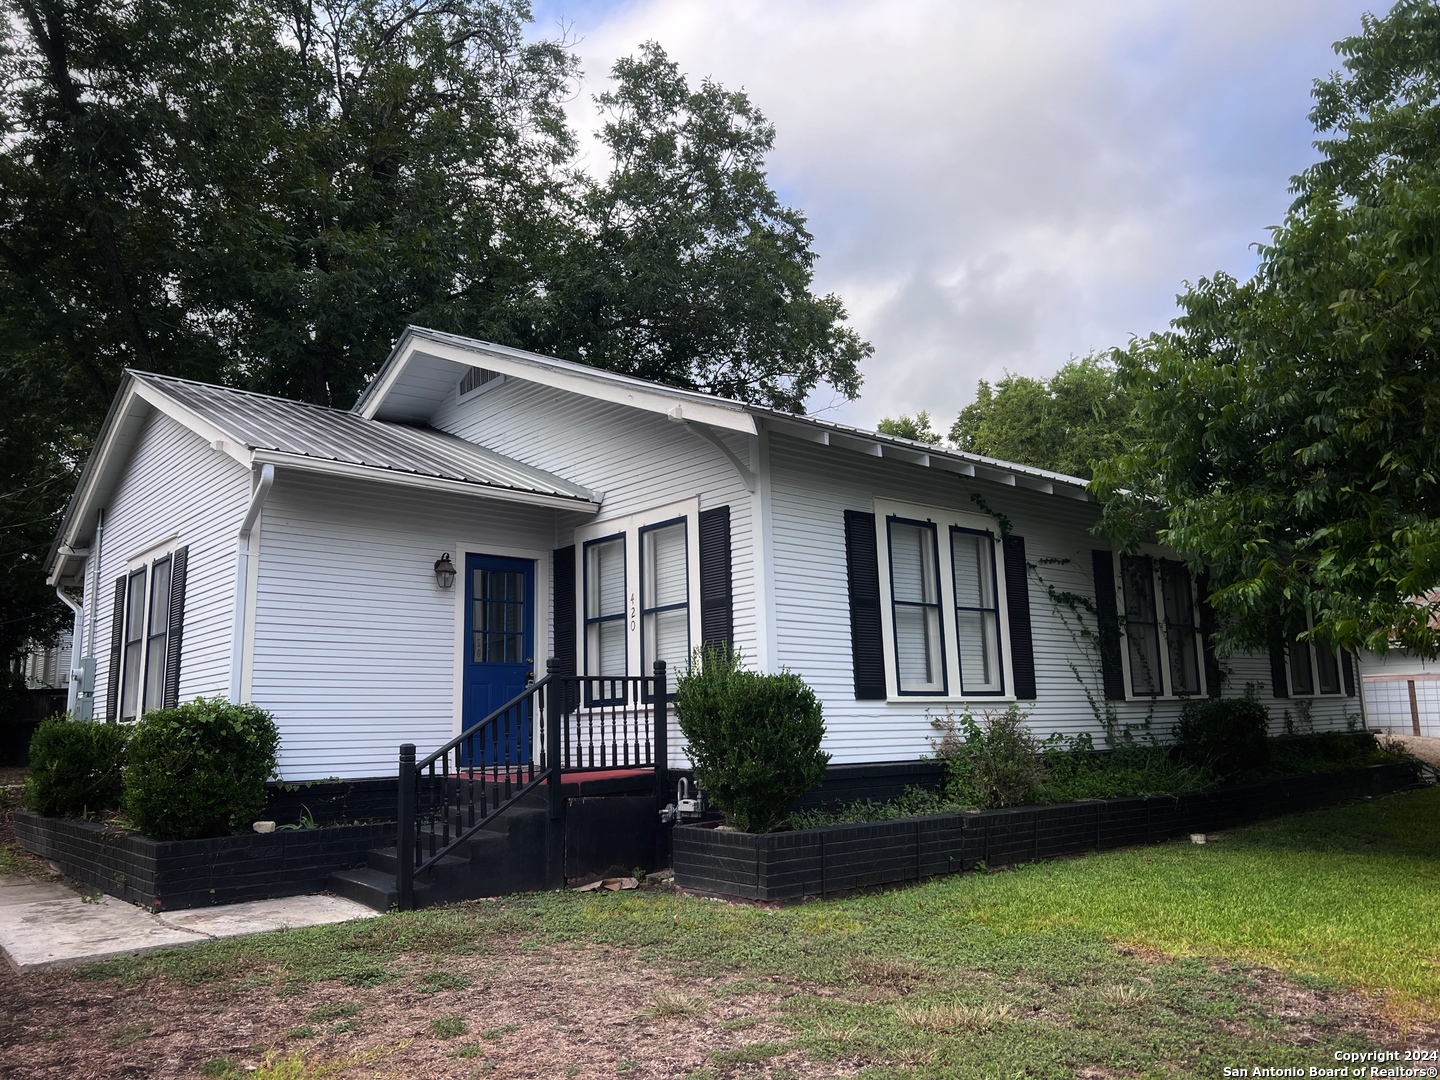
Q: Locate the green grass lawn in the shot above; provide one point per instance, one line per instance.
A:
(1018, 973)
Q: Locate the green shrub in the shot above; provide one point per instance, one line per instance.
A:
(1075, 771)
(75, 767)
(1229, 736)
(754, 740)
(199, 769)
(992, 762)
(912, 802)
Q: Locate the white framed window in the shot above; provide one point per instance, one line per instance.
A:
(144, 652)
(941, 603)
(664, 595)
(638, 576)
(1161, 628)
(1313, 669)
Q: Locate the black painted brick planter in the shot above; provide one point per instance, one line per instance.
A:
(168, 875)
(841, 858)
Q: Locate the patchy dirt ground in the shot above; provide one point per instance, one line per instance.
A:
(1422, 747)
(557, 1012)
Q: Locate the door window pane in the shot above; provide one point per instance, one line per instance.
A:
(158, 636)
(664, 597)
(915, 603)
(498, 617)
(1181, 634)
(977, 613)
(605, 607)
(1142, 627)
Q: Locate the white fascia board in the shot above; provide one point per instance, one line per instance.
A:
(218, 438)
(427, 483)
(522, 366)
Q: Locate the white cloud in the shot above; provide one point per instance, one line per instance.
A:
(999, 185)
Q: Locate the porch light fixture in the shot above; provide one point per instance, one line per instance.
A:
(444, 571)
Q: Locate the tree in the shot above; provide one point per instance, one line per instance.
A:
(686, 267)
(915, 427)
(1290, 422)
(1065, 423)
(264, 194)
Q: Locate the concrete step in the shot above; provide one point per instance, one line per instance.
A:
(365, 885)
(387, 860)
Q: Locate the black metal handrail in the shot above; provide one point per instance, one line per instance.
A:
(590, 724)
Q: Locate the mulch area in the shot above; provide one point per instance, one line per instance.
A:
(559, 1012)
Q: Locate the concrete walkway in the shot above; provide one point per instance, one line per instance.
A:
(47, 924)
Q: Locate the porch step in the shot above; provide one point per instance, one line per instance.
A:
(366, 885)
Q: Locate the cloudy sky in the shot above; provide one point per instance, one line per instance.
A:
(999, 185)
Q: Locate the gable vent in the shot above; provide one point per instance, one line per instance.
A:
(477, 378)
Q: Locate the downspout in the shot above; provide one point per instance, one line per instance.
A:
(244, 554)
(77, 642)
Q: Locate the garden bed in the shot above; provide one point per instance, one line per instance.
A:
(840, 858)
(169, 875)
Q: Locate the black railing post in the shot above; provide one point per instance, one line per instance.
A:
(662, 736)
(555, 695)
(405, 830)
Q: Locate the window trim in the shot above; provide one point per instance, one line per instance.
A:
(1156, 556)
(939, 605)
(647, 661)
(586, 620)
(948, 517)
(1314, 668)
(144, 562)
(1001, 616)
(143, 573)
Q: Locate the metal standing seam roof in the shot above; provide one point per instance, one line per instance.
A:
(262, 422)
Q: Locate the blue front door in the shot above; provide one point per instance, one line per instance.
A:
(499, 645)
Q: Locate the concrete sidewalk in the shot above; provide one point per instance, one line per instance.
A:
(48, 924)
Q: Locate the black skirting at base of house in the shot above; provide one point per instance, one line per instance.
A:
(170, 875)
(843, 858)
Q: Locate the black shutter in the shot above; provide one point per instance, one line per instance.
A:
(1347, 671)
(178, 563)
(1213, 675)
(862, 570)
(567, 627)
(716, 607)
(1017, 603)
(1107, 615)
(1279, 680)
(117, 644)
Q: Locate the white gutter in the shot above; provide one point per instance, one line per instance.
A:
(244, 555)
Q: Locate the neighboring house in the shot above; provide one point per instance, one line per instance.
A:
(1402, 693)
(47, 667)
(265, 550)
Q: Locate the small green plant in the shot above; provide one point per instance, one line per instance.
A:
(432, 982)
(991, 762)
(304, 1031)
(323, 1013)
(753, 739)
(199, 769)
(222, 1068)
(75, 767)
(1229, 736)
(467, 1050)
(307, 821)
(451, 1026)
(499, 1032)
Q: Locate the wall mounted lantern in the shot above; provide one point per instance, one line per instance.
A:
(444, 571)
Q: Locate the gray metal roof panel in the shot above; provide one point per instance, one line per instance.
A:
(262, 422)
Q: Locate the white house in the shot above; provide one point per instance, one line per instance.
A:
(230, 543)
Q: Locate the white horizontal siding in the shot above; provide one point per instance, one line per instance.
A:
(355, 645)
(176, 484)
(639, 460)
(812, 488)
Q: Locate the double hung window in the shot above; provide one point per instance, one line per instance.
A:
(157, 634)
(941, 603)
(977, 610)
(1162, 631)
(605, 607)
(1314, 668)
(664, 597)
(134, 645)
(915, 606)
(148, 599)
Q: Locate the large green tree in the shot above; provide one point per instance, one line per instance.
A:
(1291, 423)
(265, 193)
(1065, 423)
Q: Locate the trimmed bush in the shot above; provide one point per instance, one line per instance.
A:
(991, 762)
(754, 740)
(1229, 736)
(75, 767)
(199, 769)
